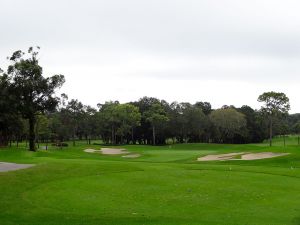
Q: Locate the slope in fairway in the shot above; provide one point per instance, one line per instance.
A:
(73, 187)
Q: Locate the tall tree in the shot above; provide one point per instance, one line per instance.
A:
(228, 123)
(129, 117)
(256, 125)
(7, 109)
(143, 132)
(156, 115)
(196, 122)
(33, 91)
(89, 123)
(275, 104)
(205, 106)
(109, 120)
(75, 109)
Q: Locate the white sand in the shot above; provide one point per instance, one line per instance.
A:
(108, 151)
(244, 156)
(261, 155)
(131, 156)
(220, 157)
(91, 150)
(4, 166)
(113, 151)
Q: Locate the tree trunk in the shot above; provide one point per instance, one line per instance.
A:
(112, 135)
(298, 140)
(132, 135)
(271, 130)
(37, 141)
(284, 140)
(74, 136)
(31, 133)
(153, 133)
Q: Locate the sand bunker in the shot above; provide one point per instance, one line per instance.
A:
(220, 157)
(243, 156)
(113, 151)
(108, 151)
(4, 166)
(261, 155)
(91, 150)
(131, 156)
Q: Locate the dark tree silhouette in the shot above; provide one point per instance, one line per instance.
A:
(34, 92)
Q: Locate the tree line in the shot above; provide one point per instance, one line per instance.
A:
(30, 110)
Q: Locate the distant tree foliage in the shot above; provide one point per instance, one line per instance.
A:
(229, 124)
(156, 116)
(275, 105)
(30, 110)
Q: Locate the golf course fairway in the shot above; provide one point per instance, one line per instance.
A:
(162, 185)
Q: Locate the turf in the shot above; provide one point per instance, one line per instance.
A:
(164, 186)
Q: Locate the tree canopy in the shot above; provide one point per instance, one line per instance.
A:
(32, 92)
(30, 110)
(228, 123)
(274, 104)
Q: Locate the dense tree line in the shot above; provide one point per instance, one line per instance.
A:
(153, 121)
(29, 110)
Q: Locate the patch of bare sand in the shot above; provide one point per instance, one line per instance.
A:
(113, 151)
(108, 151)
(4, 166)
(244, 156)
(261, 155)
(91, 150)
(220, 157)
(131, 156)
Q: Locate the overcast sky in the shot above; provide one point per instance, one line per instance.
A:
(221, 51)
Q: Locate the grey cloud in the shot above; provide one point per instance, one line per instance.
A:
(252, 40)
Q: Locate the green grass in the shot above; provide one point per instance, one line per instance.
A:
(165, 186)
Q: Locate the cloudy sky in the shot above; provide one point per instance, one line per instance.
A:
(221, 51)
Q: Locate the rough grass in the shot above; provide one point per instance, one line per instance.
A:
(164, 186)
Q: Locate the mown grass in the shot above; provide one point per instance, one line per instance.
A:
(166, 185)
